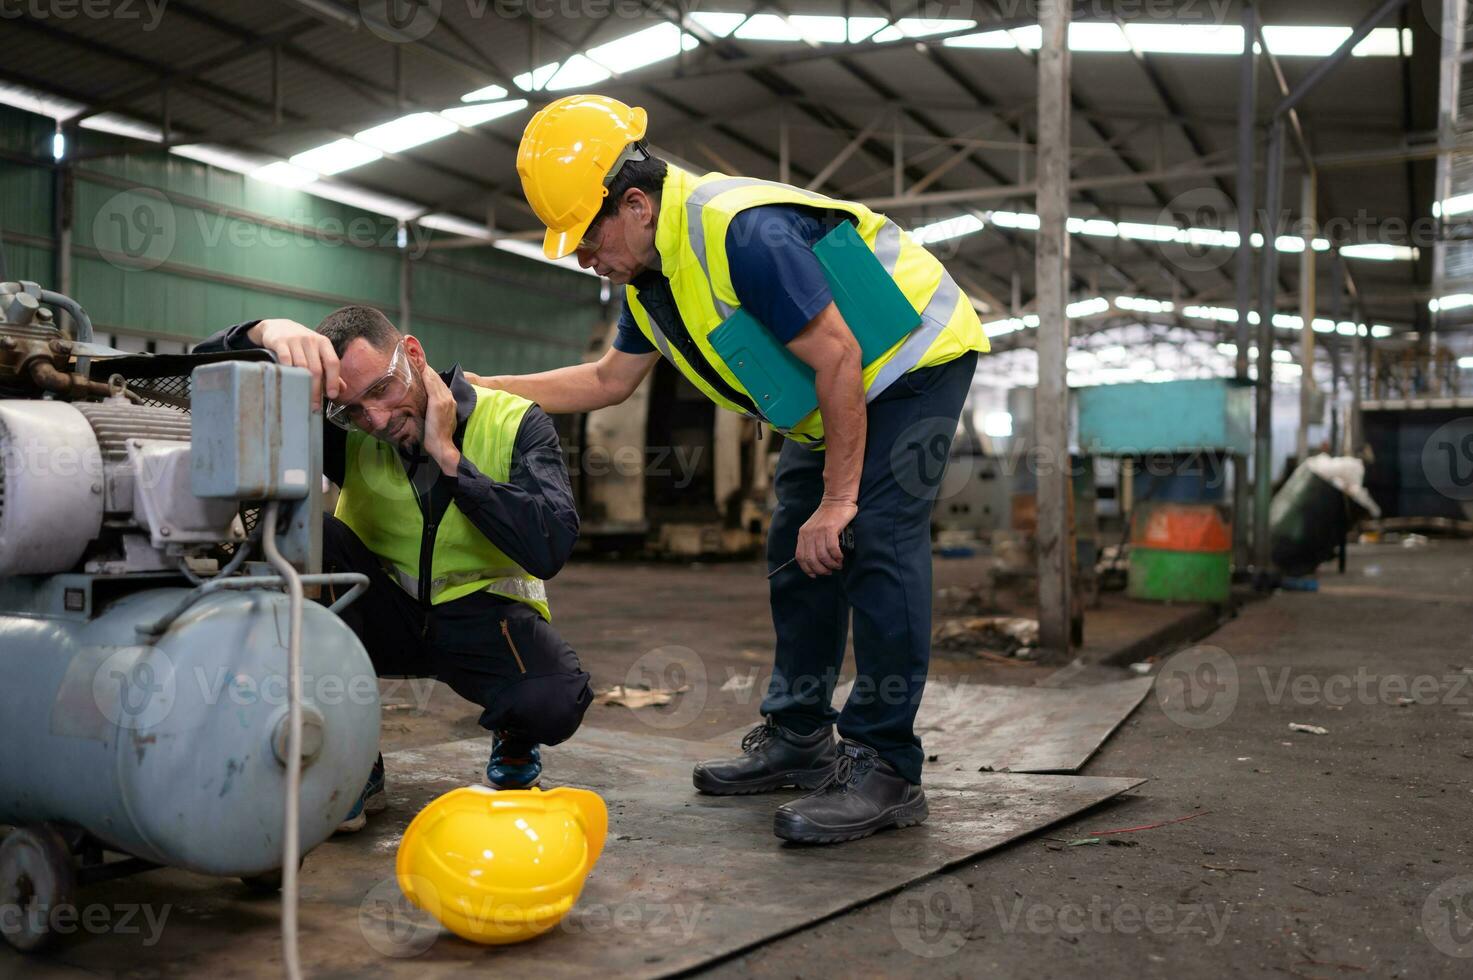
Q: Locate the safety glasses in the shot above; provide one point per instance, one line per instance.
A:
(387, 391)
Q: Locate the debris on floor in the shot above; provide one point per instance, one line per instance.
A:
(739, 683)
(1013, 636)
(967, 600)
(631, 696)
(1295, 726)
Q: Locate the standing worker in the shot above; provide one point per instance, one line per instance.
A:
(698, 255)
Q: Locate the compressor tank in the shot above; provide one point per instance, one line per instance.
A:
(172, 749)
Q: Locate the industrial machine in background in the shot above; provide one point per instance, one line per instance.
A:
(149, 707)
(669, 474)
(1183, 448)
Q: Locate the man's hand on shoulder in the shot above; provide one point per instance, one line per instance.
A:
(296, 345)
(482, 380)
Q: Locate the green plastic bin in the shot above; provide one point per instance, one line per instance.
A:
(1179, 576)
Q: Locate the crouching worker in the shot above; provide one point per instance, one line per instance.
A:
(456, 504)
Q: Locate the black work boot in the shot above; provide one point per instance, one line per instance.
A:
(772, 758)
(864, 794)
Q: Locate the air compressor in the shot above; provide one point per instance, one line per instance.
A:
(148, 705)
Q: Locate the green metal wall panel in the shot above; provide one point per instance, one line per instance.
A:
(169, 247)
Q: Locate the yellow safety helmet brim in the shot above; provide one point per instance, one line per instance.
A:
(561, 244)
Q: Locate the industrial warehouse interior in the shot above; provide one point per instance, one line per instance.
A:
(777, 488)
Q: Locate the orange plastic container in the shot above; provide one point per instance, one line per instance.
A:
(1182, 527)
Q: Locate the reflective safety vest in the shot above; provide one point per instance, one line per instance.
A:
(381, 506)
(690, 236)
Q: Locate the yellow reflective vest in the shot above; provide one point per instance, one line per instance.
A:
(380, 504)
(690, 237)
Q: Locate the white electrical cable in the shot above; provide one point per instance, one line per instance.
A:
(290, 842)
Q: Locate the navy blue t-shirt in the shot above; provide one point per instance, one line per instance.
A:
(778, 280)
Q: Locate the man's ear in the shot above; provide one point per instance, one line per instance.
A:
(641, 205)
(415, 351)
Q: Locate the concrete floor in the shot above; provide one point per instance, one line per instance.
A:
(1315, 856)
(1328, 856)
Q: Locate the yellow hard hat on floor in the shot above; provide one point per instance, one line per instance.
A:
(567, 152)
(501, 867)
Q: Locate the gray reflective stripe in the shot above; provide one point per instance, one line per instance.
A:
(696, 229)
(521, 586)
(934, 319)
(887, 246)
(661, 341)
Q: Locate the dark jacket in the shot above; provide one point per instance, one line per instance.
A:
(531, 517)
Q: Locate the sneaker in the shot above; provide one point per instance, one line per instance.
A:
(772, 757)
(864, 794)
(513, 764)
(371, 800)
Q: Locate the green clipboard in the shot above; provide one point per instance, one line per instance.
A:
(875, 309)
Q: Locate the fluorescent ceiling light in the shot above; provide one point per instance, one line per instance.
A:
(337, 156)
(488, 94)
(1380, 331)
(1139, 304)
(456, 226)
(218, 156)
(992, 40)
(1091, 36)
(577, 72)
(720, 25)
(1186, 38)
(940, 231)
(642, 48)
(1096, 227)
(822, 30)
(58, 145)
(111, 122)
(285, 174)
(531, 81)
(483, 112)
(1305, 41)
(1453, 206)
(534, 251)
(1147, 233)
(1457, 301)
(1466, 363)
(1380, 253)
(365, 200)
(921, 27)
(1015, 219)
(769, 27)
(1088, 307)
(407, 131)
(40, 103)
(861, 28)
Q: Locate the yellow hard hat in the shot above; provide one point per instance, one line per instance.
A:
(568, 150)
(501, 867)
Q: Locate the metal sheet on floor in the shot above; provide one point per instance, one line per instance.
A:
(685, 879)
(1020, 729)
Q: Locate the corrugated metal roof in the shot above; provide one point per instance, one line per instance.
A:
(334, 80)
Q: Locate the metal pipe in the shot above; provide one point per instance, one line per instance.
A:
(1247, 187)
(1051, 410)
(1337, 309)
(1308, 292)
(357, 580)
(292, 829)
(1263, 420)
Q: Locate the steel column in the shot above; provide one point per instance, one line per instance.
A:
(1051, 409)
(1247, 183)
(1308, 309)
(1267, 295)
